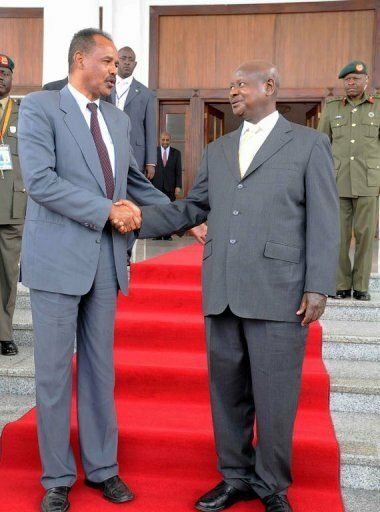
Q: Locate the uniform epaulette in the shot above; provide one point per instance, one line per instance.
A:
(334, 98)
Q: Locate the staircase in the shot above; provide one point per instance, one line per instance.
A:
(351, 352)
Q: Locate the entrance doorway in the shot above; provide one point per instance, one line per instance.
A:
(220, 120)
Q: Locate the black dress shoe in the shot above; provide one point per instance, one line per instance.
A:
(8, 348)
(276, 503)
(223, 496)
(114, 489)
(343, 294)
(361, 295)
(56, 499)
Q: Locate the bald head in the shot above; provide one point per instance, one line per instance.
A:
(253, 90)
(165, 139)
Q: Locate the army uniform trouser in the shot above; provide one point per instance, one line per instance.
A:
(10, 246)
(360, 216)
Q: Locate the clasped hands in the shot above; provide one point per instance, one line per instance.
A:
(125, 216)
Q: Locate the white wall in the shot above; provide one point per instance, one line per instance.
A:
(126, 20)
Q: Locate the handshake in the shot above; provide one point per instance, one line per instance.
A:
(125, 216)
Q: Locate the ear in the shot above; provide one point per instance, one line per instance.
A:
(270, 87)
(78, 60)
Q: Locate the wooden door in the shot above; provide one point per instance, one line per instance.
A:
(313, 115)
(214, 123)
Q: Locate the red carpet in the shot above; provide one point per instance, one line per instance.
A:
(166, 451)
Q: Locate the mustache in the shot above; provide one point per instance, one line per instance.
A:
(111, 78)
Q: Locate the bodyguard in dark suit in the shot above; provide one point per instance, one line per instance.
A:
(268, 192)
(168, 175)
(12, 207)
(77, 163)
(137, 101)
(57, 85)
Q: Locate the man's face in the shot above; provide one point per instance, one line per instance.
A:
(99, 68)
(5, 82)
(127, 62)
(355, 85)
(247, 95)
(165, 140)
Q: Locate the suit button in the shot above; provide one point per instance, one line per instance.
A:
(97, 241)
(235, 212)
(240, 186)
(233, 242)
(353, 124)
(352, 158)
(86, 224)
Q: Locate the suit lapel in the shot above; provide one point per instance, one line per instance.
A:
(278, 137)
(230, 145)
(77, 125)
(134, 90)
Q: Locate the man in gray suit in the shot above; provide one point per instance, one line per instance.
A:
(137, 101)
(77, 163)
(268, 192)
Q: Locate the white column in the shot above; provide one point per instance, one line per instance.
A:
(61, 21)
(130, 29)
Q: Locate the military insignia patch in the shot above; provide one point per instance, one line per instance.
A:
(371, 114)
(12, 129)
(359, 67)
(338, 117)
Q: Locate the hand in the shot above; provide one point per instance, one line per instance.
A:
(199, 233)
(178, 192)
(149, 171)
(312, 306)
(125, 216)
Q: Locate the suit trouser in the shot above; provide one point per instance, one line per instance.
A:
(57, 319)
(360, 215)
(10, 246)
(255, 373)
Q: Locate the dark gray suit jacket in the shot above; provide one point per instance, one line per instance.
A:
(272, 235)
(57, 85)
(169, 177)
(140, 107)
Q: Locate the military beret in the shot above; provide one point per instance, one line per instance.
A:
(356, 66)
(6, 62)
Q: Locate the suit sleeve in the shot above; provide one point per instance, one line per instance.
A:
(150, 131)
(178, 216)
(37, 157)
(322, 220)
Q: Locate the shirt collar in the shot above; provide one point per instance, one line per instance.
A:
(124, 82)
(266, 124)
(80, 98)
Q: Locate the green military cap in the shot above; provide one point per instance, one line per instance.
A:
(356, 66)
(6, 62)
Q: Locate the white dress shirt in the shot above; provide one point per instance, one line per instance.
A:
(82, 103)
(121, 90)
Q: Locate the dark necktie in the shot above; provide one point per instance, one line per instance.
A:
(101, 149)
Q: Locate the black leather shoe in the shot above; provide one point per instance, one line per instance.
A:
(114, 489)
(361, 295)
(56, 499)
(223, 496)
(276, 503)
(8, 348)
(343, 294)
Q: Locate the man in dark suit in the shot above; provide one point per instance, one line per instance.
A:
(12, 207)
(137, 101)
(168, 175)
(57, 85)
(77, 163)
(268, 192)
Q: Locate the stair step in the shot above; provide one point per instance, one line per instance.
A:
(352, 340)
(359, 500)
(17, 373)
(352, 309)
(355, 386)
(374, 282)
(13, 407)
(23, 327)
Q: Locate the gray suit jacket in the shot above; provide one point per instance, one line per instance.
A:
(67, 204)
(140, 107)
(273, 234)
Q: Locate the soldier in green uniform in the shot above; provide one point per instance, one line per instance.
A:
(12, 207)
(352, 122)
